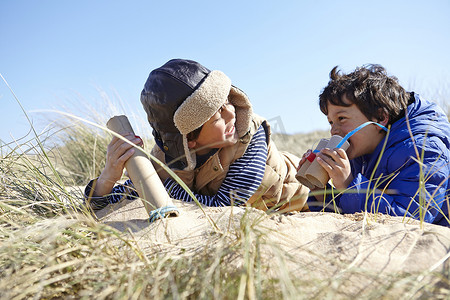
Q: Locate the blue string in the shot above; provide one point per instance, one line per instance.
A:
(161, 212)
(348, 135)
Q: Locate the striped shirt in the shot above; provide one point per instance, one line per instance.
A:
(243, 178)
(241, 182)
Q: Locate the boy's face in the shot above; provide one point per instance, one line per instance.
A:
(344, 119)
(218, 131)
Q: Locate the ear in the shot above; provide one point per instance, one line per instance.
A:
(192, 144)
(384, 118)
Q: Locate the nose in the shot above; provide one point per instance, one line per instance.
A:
(228, 112)
(334, 130)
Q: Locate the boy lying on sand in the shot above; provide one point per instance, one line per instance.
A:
(401, 169)
(206, 132)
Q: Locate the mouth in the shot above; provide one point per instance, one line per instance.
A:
(230, 131)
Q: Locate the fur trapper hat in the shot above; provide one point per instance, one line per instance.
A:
(180, 97)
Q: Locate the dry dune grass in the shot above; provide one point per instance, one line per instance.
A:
(51, 248)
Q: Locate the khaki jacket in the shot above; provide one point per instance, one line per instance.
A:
(279, 189)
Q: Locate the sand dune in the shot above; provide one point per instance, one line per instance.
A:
(361, 248)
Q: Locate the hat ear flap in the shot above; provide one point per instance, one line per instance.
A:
(243, 108)
(191, 157)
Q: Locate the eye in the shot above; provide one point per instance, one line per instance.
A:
(223, 106)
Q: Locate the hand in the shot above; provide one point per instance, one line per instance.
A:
(304, 157)
(117, 154)
(336, 163)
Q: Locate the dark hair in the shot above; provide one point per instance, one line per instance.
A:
(193, 135)
(370, 88)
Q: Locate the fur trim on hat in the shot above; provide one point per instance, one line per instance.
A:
(203, 103)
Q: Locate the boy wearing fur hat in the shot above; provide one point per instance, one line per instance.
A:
(206, 132)
(401, 171)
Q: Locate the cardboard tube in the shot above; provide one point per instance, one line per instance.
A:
(301, 174)
(142, 173)
(315, 173)
(302, 179)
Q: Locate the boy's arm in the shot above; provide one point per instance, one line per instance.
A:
(406, 196)
(115, 195)
(241, 182)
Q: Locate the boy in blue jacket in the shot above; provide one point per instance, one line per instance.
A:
(398, 162)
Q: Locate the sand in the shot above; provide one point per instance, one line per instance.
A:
(317, 245)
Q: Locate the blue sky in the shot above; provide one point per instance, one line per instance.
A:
(279, 52)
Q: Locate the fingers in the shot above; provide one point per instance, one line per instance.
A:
(337, 165)
(125, 156)
(325, 161)
(119, 151)
(341, 152)
(304, 158)
(332, 160)
(335, 156)
(118, 143)
(140, 142)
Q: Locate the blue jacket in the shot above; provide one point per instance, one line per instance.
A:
(403, 185)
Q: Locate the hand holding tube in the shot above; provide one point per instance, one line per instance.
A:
(143, 174)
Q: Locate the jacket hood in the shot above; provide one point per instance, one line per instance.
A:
(180, 97)
(422, 117)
